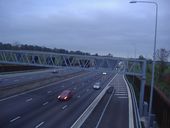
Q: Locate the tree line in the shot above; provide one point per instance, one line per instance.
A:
(17, 46)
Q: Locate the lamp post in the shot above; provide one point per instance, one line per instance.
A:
(154, 52)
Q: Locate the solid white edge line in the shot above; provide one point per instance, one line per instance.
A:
(39, 88)
(16, 118)
(131, 122)
(89, 109)
(98, 123)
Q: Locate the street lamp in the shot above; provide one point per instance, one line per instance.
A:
(154, 52)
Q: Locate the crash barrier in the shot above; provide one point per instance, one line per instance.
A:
(135, 106)
(161, 104)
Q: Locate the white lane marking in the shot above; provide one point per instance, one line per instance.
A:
(118, 94)
(49, 91)
(78, 96)
(62, 86)
(16, 118)
(40, 88)
(98, 123)
(16, 80)
(45, 103)
(28, 100)
(131, 123)
(122, 97)
(37, 126)
(64, 107)
(121, 92)
(90, 108)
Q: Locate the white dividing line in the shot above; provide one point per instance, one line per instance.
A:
(37, 126)
(62, 86)
(90, 108)
(78, 96)
(49, 91)
(118, 94)
(40, 88)
(121, 91)
(45, 103)
(131, 123)
(16, 80)
(64, 107)
(16, 118)
(122, 97)
(98, 123)
(28, 100)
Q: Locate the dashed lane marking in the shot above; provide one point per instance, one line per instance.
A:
(37, 126)
(28, 100)
(45, 103)
(64, 107)
(16, 118)
(49, 91)
(39, 88)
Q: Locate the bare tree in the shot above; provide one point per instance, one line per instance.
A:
(162, 57)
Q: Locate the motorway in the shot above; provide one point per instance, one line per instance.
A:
(113, 109)
(10, 79)
(40, 107)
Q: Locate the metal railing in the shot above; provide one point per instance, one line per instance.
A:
(135, 106)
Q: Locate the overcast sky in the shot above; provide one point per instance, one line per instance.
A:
(94, 26)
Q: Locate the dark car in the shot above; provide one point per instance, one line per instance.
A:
(110, 90)
(65, 95)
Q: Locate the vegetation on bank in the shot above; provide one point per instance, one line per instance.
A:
(162, 72)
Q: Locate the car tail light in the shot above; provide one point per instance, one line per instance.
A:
(58, 97)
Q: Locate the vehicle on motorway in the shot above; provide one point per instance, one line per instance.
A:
(65, 95)
(55, 71)
(96, 86)
(104, 73)
(110, 90)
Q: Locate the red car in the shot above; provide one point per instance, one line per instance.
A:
(65, 95)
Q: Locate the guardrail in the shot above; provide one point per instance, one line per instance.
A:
(135, 106)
